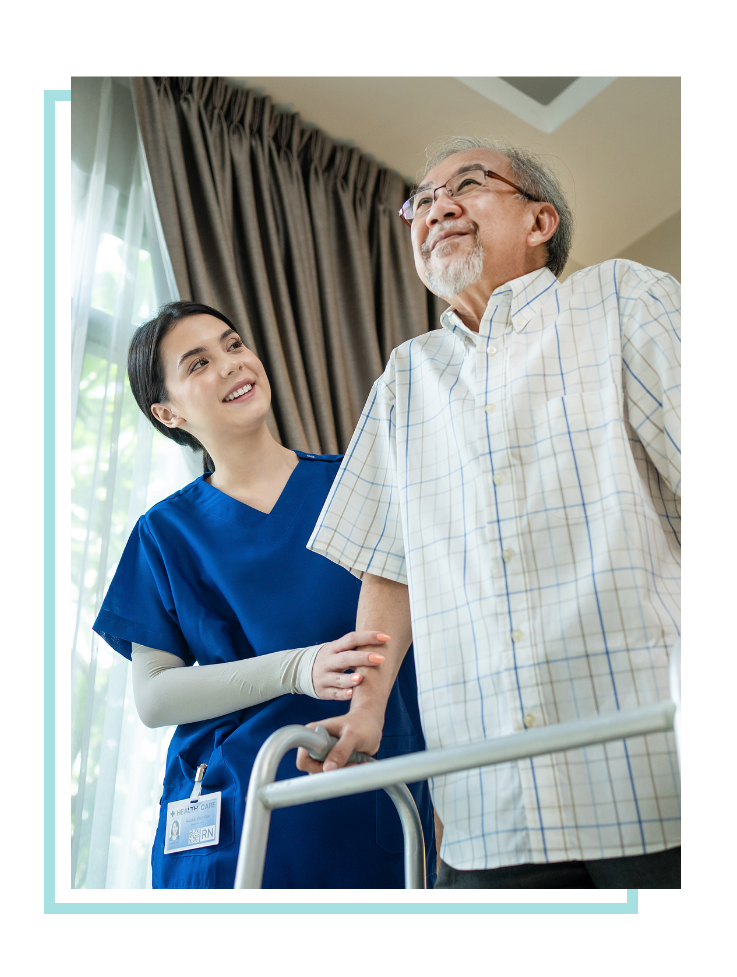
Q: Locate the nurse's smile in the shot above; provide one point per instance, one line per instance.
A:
(239, 393)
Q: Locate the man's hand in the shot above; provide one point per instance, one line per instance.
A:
(357, 731)
(384, 607)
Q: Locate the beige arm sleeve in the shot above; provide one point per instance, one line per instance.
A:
(168, 693)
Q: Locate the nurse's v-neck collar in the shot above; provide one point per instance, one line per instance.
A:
(273, 524)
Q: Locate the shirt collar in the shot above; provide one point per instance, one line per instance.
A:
(520, 296)
(451, 321)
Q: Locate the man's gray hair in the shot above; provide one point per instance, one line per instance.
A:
(533, 175)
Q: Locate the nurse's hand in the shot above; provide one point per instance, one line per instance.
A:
(329, 678)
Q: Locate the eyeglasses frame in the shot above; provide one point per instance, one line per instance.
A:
(487, 173)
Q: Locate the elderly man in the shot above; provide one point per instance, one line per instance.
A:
(513, 485)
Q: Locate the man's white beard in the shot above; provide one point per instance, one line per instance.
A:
(456, 276)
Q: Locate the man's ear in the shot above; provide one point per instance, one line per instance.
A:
(545, 226)
(167, 416)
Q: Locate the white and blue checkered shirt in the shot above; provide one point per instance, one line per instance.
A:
(524, 481)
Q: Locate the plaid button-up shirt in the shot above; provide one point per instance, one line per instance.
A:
(524, 481)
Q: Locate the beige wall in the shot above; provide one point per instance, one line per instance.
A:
(659, 248)
(570, 267)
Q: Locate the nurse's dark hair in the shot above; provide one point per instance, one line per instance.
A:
(146, 371)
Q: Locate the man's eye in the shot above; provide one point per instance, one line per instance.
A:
(466, 184)
(422, 200)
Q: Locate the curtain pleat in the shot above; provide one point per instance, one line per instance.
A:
(153, 110)
(292, 213)
(294, 237)
(336, 353)
(277, 329)
(403, 304)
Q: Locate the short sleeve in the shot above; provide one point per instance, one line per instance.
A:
(651, 363)
(139, 606)
(360, 526)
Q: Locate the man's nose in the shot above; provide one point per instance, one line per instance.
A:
(444, 206)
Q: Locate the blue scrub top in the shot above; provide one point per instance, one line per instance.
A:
(211, 580)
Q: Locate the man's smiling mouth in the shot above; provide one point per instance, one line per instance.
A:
(446, 239)
(452, 231)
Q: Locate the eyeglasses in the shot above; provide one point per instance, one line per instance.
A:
(458, 186)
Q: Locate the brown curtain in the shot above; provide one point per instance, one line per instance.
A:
(294, 237)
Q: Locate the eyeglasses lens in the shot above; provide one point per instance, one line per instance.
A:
(419, 203)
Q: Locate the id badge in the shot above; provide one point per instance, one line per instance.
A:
(192, 824)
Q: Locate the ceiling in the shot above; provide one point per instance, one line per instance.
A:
(543, 90)
(546, 103)
(618, 156)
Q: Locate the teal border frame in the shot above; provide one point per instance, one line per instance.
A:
(57, 586)
(364, 908)
(57, 261)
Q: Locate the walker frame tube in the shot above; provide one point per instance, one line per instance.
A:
(252, 852)
(264, 795)
(413, 767)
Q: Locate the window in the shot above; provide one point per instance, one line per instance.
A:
(120, 467)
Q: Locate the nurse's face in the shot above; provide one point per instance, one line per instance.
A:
(216, 385)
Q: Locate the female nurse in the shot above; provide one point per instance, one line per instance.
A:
(218, 575)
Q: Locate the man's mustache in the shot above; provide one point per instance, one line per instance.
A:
(447, 227)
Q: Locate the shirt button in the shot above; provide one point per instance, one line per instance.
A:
(490, 350)
(517, 635)
(490, 408)
(507, 555)
(498, 479)
(529, 720)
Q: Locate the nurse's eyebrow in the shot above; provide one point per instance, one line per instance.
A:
(203, 349)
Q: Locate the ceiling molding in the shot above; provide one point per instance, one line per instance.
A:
(546, 118)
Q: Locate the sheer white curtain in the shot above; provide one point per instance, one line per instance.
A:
(120, 467)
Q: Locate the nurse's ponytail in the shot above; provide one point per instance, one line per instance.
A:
(146, 374)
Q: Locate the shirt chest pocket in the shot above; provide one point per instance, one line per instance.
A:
(579, 465)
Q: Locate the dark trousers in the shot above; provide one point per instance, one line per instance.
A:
(661, 870)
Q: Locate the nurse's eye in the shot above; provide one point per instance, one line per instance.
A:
(236, 344)
(196, 365)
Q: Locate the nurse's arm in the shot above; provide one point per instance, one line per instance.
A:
(384, 606)
(168, 693)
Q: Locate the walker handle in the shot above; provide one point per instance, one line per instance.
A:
(330, 742)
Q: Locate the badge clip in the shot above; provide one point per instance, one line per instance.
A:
(197, 789)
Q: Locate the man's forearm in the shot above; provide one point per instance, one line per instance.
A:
(383, 606)
(386, 603)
